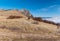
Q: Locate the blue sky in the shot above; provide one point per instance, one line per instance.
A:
(41, 8)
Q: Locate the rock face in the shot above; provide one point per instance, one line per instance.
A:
(26, 13)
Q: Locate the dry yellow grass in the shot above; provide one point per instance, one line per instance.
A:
(24, 23)
(23, 29)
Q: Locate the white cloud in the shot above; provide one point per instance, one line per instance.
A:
(54, 19)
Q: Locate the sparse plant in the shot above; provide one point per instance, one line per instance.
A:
(13, 28)
(35, 22)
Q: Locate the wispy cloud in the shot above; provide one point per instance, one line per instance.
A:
(44, 9)
(49, 7)
(52, 6)
(53, 10)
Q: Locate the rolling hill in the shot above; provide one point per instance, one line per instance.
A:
(24, 29)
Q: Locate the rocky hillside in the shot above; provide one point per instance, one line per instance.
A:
(16, 25)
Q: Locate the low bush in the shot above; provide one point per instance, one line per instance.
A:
(3, 27)
(37, 18)
(14, 17)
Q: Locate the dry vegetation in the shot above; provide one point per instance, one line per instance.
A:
(14, 17)
(17, 27)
